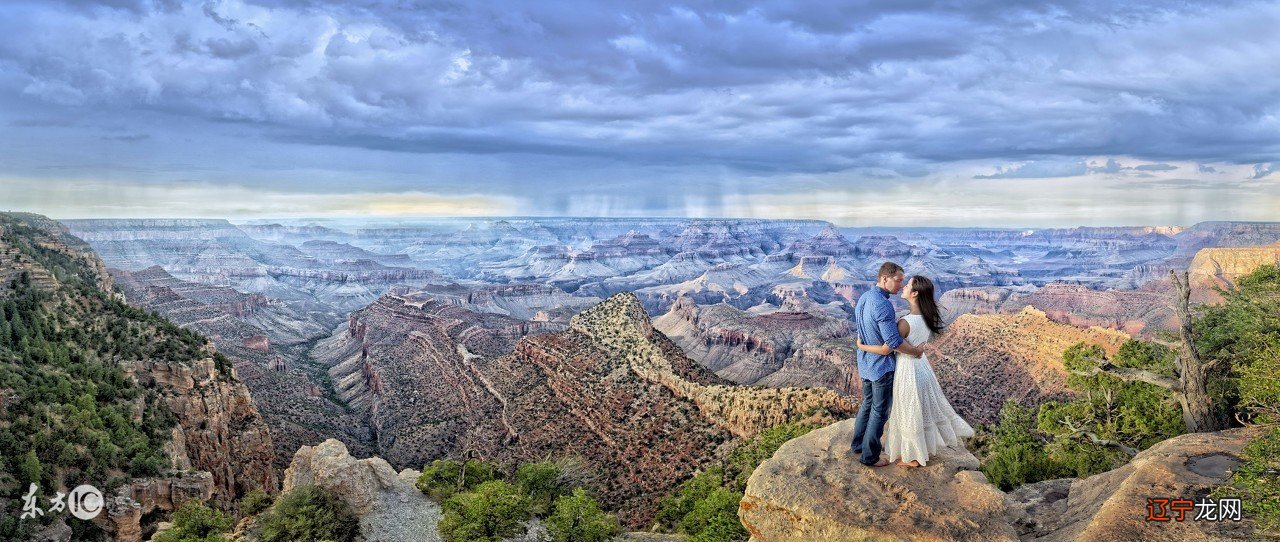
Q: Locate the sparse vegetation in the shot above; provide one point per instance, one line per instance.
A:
(195, 522)
(481, 503)
(1239, 340)
(1243, 334)
(706, 506)
(544, 482)
(1257, 482)
(255, 502)
(1108, 422)
(309, 514)
(444, 477)
(577, 518)
(68, 407)
(494, 510)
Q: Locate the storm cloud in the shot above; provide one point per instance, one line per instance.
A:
(554, 99)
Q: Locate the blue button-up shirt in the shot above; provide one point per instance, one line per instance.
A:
(876, 325)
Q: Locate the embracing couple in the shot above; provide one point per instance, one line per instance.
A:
(895, 373)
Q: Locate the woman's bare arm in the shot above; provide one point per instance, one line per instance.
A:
(907, 348)
(883, 349)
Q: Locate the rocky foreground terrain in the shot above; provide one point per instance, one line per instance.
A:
(812, 490)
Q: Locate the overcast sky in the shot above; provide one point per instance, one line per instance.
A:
(863, 113)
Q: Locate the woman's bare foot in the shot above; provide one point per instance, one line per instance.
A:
(880, 463)
(913, 464)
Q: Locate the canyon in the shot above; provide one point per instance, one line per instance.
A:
(644, 347)
(437, 379)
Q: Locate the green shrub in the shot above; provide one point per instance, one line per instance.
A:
(719, 509)
(1243, 335)
(673, 509)
(492, 511)
(745, 458)
(254, 502)
(1257, 482)
(706, 505)
(1057, 439)
(309, 514)
(195, 522)
(577, 518)
(543, 483)
(1015, 453)
(440, 480)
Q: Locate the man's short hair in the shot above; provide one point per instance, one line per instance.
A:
(889, 269)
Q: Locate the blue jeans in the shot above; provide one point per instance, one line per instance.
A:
(872, 415)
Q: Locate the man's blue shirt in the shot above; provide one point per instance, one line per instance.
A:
(876, 326)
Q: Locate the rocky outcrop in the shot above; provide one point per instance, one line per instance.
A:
(219, 448)
(388, 505)
(218, 425)
(1135, 312)
(1112, 505)
(620, 324)
(228, 316)
(977, 300)
(814, 489)
(123, 511)
(1221, 234)
(1220, 267)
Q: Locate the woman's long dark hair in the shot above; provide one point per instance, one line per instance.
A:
(928, 305)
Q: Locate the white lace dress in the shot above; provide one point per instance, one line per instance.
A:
(920, 419)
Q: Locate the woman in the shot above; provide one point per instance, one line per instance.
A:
(921, 419)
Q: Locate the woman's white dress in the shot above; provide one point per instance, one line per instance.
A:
(920, 419)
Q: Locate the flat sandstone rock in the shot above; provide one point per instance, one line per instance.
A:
(814, 489)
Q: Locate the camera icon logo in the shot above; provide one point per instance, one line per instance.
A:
(85, 502)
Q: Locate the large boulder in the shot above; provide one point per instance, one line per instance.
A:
(1113, 505)
(390, 508)
(814, 489)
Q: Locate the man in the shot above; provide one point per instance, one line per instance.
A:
(877, 324)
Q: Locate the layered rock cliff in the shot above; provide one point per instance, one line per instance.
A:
(984, 359)
(1142, 312)
(1213, 268)
(219, 427)
(218, 447)
(781, 348)
(437, 379)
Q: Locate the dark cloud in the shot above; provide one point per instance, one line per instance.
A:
(885, 88)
